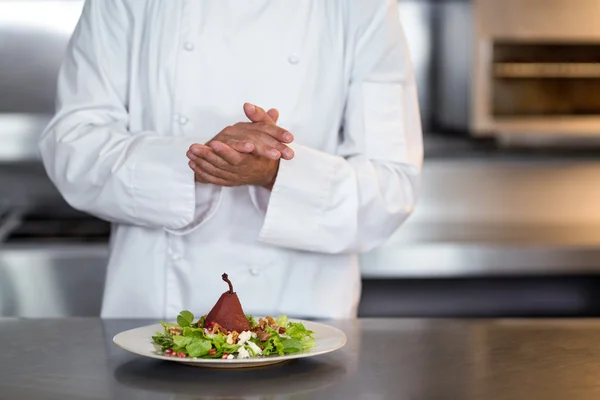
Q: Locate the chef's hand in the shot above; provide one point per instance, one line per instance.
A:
(221, 165)
(261, 137)
(228, 165)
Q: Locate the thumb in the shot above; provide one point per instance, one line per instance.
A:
(257, 114)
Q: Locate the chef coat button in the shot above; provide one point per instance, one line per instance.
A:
(189, 46)
(294, 59)
(183, 120)
(254, 271)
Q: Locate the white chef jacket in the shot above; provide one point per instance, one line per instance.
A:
(144, 79)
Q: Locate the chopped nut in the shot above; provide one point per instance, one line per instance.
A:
(174, 330)
(282, 330)
(271, 322)
(218, 328)
(262, 324)
(235, 336)
(263, 336)
(229, 339)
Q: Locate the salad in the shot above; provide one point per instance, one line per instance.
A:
(227, 332)
(198, 339)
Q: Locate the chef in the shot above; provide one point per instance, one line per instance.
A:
(268, 139)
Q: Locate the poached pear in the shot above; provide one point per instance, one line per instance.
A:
(228, 311)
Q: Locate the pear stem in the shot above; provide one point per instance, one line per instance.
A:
(226, 279)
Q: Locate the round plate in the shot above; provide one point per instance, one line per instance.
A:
(139, 341)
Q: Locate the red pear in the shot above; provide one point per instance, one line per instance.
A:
(228, 311)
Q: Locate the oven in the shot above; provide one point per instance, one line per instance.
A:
(521, 69)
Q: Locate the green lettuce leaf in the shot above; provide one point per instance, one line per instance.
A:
(198, 347)
(251, 320)
(182, 341)
(282, 321)
(194, 332)
(291, 346)
(185, 319)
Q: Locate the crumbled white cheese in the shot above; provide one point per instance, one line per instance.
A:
(208, 334)
(244, 337)
(230, 357)
(255, 348)
(254, 334)
(243, 353)
(229, 339)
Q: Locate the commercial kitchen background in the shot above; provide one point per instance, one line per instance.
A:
(508, 223)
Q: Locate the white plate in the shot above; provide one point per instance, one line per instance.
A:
(139, 341)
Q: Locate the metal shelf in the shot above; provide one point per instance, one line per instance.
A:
(547, 70)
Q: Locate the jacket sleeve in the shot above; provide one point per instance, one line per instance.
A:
(98, 164)
(354, 200)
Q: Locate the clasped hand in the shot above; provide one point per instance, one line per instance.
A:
(246, 153)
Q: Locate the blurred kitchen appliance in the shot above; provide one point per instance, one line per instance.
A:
(33, 38)
(520, 68)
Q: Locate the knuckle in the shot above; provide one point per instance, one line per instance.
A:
(228, 130)
(264, 137)
(244, 138)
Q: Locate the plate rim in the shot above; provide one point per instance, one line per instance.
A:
(255, 360)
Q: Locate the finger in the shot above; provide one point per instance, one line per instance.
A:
(275, 131)
(216, 171)
(202, 152)
(264, 150)
(229, 152)
(257, 114)
(233, 132)
(268, 146)
(273, 148)
(274, 114)
(198, 178)
(205, 177)
(264, 145)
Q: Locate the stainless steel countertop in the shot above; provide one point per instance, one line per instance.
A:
(384, 359)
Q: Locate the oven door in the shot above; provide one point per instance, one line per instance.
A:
(52, 265)
(545, 87)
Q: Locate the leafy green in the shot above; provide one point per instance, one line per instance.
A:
(278, 345)
(272, 345)
(219, 341)
(187, 315)
(230, 348)
(291, 346)
(164, 341)
(282, 320)
(251, 320)
(185, 319)
(182, 321)
(299, 332)
(194, 332)
(182, 341)
(198, 347)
